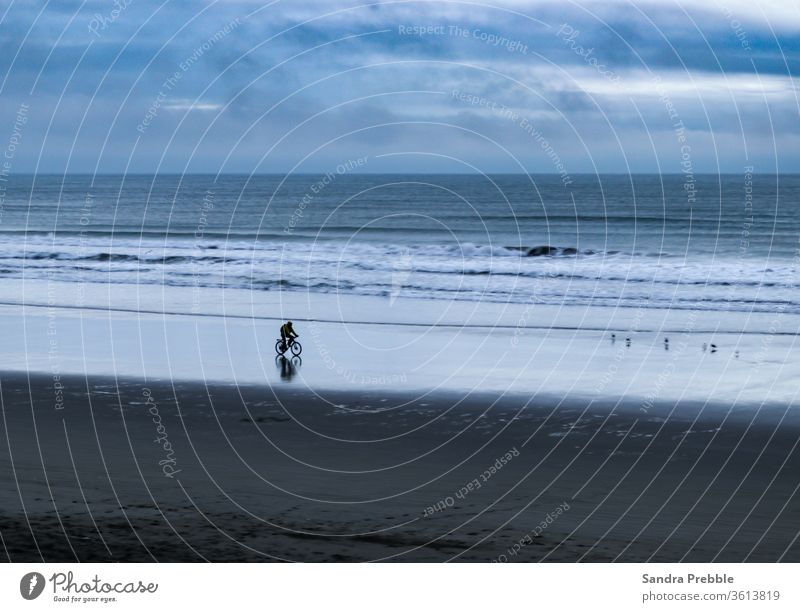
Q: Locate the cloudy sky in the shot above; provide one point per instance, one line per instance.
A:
(304, 85)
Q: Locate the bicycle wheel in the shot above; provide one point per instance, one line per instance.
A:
(297, 348)
(279, 347)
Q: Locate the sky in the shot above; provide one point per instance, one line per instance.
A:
(433, 86)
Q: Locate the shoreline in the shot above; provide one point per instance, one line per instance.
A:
(575, 352)
(421, 324)
(281, 474)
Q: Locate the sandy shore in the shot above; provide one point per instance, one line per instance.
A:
(371, 345)
(128, 470)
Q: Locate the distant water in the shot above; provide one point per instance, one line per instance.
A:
(720, 242)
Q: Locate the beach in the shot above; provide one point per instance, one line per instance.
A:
(253, 475)
(181, 437)
(506, 381)
(366, 343)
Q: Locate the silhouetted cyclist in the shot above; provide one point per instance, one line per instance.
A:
(287, 333)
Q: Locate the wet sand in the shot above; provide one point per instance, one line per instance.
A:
(355, 343)
(128, 470)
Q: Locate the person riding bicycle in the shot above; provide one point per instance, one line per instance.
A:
(287, 333)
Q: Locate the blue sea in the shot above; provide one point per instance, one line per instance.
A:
(703, 242)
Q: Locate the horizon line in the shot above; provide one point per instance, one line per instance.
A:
(316, 173)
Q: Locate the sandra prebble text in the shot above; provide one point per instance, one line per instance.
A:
(690, 579)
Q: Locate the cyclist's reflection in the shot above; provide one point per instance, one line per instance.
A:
(288, 367)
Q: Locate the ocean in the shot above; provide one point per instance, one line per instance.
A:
(703, 242)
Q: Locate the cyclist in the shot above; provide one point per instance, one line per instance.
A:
(287, 333)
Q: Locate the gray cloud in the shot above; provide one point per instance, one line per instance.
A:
(582, 74)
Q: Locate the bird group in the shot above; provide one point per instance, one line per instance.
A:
(710, 347)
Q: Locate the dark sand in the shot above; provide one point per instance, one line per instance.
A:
(283, 475)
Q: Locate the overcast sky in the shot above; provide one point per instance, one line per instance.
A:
(304, 85)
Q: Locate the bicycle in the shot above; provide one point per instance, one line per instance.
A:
(293, 345)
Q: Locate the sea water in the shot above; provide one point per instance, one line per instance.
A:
(708, 242)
